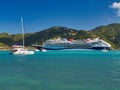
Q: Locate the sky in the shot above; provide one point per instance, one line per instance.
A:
(42, 14)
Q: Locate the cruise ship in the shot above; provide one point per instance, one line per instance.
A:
(63, 43)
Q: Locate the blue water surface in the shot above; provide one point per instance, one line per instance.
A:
(60, 70)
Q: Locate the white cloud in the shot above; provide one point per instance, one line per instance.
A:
(116, 6)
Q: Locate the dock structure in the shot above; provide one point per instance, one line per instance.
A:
(39, 47)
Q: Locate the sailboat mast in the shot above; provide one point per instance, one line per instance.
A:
(23, 32)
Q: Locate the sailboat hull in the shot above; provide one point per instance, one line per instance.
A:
(23, 53)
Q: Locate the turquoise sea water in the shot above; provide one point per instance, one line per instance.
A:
(61, 70)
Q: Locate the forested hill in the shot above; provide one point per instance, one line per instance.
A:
(109, 33)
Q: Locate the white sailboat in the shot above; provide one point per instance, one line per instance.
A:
(20, 49)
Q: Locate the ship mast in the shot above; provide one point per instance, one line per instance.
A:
(23, 31)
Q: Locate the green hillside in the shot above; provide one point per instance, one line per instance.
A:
(109, 33)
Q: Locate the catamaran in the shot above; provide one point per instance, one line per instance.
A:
(20, 49)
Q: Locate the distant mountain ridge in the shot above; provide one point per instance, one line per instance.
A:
(109, 33)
